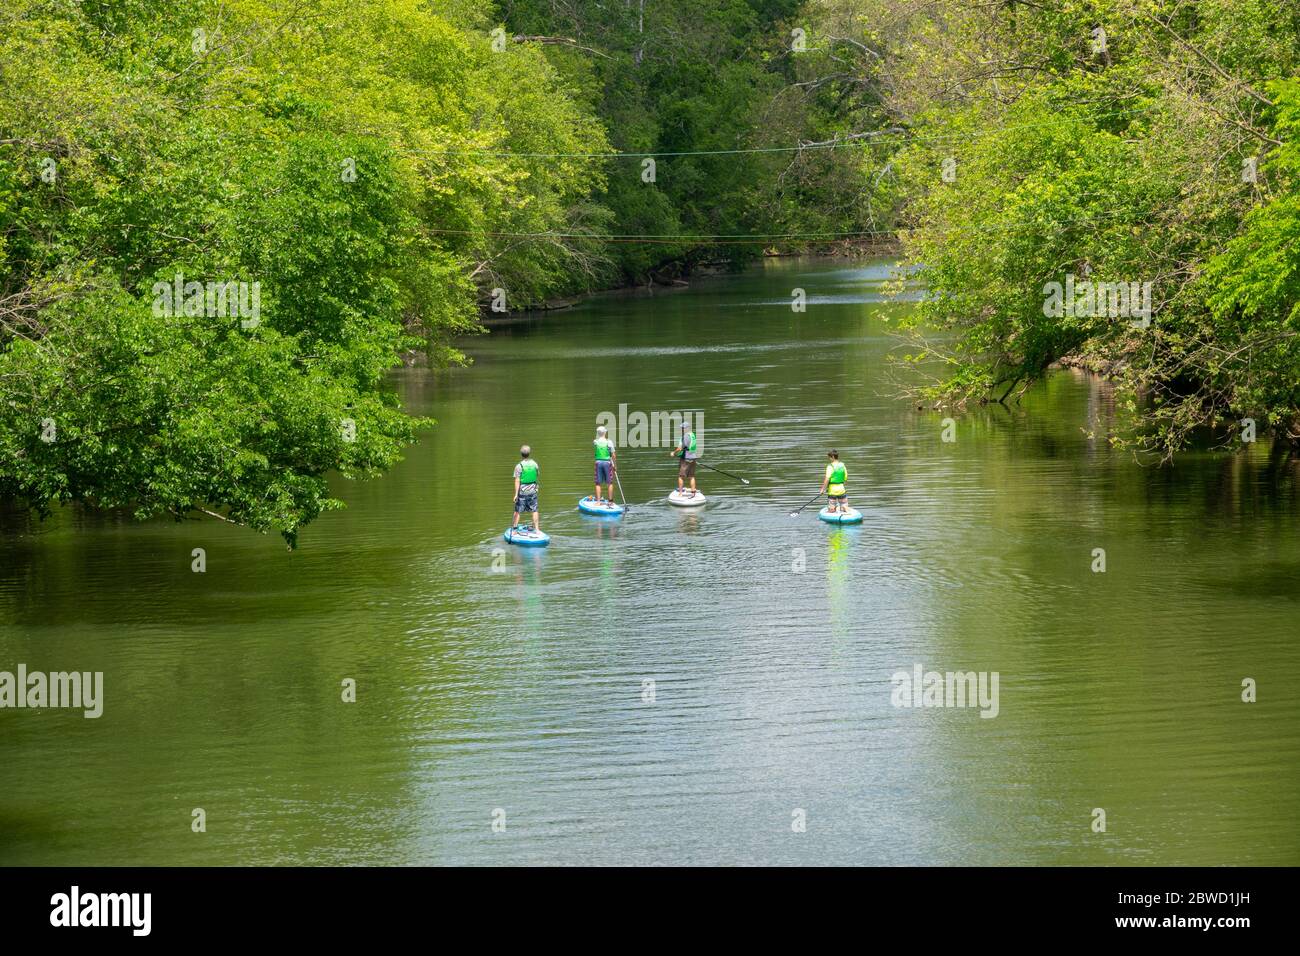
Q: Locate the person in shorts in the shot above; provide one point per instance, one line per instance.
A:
(606, 464)
(526, 475)
(833, 485)
(687, 455)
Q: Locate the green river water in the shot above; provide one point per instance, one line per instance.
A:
(494, 680)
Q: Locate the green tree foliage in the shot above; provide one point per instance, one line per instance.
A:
(1111, 141)
(377, 169)
(313, 149)
(711, 80)
(1252, 355)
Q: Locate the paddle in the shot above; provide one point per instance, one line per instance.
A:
(794, 514)
(743, 481)
(627, 509)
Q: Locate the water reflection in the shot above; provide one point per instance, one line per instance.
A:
(522, 687)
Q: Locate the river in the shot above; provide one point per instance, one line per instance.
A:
(704, 686)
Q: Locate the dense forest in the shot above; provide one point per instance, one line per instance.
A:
(1127, 142)
(223, 221)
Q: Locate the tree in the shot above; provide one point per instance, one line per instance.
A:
(221, 224)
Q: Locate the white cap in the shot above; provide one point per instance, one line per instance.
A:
(525, 451)
(600, 429)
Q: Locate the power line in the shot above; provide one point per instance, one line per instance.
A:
(863, 139)
(741, 239)
(666, 154)
(664, 236)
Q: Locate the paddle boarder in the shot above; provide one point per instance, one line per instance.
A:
(833, 484)
(688, 455)
(606, 464)
(526, 473)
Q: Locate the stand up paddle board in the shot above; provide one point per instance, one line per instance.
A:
(686, 499)
(527, 537)
(851, 516)
(590, 506)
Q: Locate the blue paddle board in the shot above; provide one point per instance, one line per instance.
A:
(608, 509)
(851, 516)
(527, 537)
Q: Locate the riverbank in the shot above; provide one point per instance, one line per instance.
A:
(1093, 364)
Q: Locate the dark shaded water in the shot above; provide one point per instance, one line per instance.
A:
(495, 678)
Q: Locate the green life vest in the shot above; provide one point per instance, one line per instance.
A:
(528, 472)
(688, 444)
(603, 447)
(839, 474)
